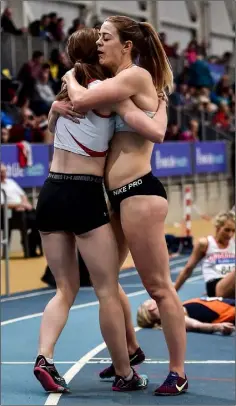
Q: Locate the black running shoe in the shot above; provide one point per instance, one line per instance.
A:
(135, 359)
(48, 376)
(138, 382)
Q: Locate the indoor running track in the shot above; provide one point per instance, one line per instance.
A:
(81, 354)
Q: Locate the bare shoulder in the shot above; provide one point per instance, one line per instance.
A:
(202, 244)
(135, 74)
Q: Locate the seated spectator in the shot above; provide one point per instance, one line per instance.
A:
(199, 74)
(28, 130)
(222, 117)
(5, 136)
(201, 315)
(39, 28)
(181, 97)
(8, 25)
(190, 134)
(19, 203)
(10, 113)
(172, 133)
(44, 95)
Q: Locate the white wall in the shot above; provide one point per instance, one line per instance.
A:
(222, 35)
(130, 8)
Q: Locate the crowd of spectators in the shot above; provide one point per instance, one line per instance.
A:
(26, 99)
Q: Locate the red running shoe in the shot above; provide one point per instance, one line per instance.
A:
(48, 376)
(172, 386)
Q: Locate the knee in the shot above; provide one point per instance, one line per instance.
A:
(68, 292)
(161, 291)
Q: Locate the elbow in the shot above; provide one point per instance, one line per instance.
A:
(160, 137)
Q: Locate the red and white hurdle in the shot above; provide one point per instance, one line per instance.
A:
(187, 210)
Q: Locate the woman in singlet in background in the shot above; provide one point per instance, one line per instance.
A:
(136, 196)
(217, 254)
(72, 211)
(203, 315)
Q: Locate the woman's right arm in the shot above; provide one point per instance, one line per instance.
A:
(198, 253)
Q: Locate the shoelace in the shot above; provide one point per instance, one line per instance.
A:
(170, 380)
(53, 370)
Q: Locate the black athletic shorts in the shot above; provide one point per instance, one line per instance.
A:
(71, 203)
(146, 185)
(211, 287)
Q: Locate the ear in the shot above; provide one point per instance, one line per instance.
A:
(127, 47)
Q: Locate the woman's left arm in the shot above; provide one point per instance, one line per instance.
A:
(108, 92)
(153, 129)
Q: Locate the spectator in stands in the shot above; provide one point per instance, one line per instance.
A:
(52, 28)
(172, 133)
(181, 97)
(39, 28)
(75, 26)
(59, 34)
(44, 93)
(28, 130)
(10, 113)
(191, 52)
(222, 116)
(29, 73)
(5, 136)
(8, 25)
(190, 134)
(168, 48)
(199, 74)
(59, 65)
(18, 202)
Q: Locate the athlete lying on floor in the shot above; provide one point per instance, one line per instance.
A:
(204, 315)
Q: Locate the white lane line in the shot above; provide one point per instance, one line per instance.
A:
(80, 306)
(25, 296)
(54, 398)
(123, 274)
(108, 361)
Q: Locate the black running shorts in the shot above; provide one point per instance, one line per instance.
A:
(146, 185)
(71, 203)
(211, 287)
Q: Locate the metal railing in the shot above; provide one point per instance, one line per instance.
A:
(5, 243)
(208, 132)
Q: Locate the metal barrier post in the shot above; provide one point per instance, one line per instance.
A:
(5, 243)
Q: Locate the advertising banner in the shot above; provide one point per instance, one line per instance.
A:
(32, 176)
(210, 157)
(172, 159)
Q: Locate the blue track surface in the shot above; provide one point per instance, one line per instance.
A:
(210, 366)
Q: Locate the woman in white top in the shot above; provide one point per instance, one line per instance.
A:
(218, 258)
(138, 198)
(72, 211)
